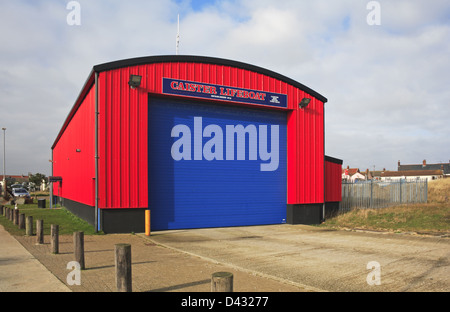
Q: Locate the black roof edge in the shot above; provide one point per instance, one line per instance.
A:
(334, 160)
(207, 60)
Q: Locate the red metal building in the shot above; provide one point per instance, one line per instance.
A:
(109, 151)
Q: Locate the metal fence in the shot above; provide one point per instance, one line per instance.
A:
(380, 194)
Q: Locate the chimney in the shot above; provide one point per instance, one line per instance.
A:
(399, 163)
(424, 163)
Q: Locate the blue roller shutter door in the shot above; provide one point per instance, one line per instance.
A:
(201, 173)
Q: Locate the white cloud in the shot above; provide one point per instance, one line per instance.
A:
(387, 85)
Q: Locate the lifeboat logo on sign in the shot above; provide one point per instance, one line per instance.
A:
(275, 99)
(223, 93)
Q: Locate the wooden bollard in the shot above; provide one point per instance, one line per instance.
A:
(78, 241)
(123, 267)
(29, 226)
(39, 231)
(21, 221)
(7, 213)
(222, 282)
(55, 238)
(16, 216)
(1, 210)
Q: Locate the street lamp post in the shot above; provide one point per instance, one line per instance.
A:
(4, 161)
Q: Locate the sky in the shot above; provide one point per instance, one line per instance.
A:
(383, 65)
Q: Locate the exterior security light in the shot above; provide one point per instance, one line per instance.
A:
(304, 103)
(135, 81)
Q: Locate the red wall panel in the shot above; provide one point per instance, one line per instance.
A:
(333, 181)
(122, 141)
(306, 154)
(77, 167)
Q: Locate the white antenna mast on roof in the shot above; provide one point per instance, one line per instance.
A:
(178, 33)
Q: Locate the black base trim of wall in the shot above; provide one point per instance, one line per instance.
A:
(82, 211)
(130, 220)
(304, 214)
(111, 220)
(310, 213)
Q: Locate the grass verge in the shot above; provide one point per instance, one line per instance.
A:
(419, 218)
(432, 217)
(68, 222)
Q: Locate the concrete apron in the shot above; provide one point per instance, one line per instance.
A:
(322, 260)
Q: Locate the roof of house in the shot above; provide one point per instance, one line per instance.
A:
(351, 171)
(409, 173)
(425, 166)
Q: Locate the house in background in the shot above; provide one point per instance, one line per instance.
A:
(410, 175)
(443, 167)
(374, 174)
(352, 175)
(404, 172)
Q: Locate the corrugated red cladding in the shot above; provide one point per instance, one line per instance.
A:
(123, 137)
(74, 154)
(333, 182)
(122, 133)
